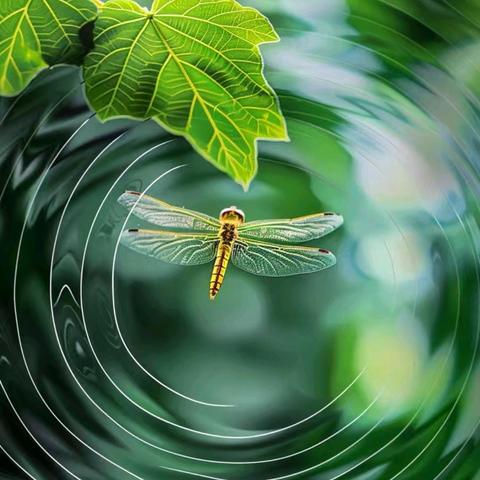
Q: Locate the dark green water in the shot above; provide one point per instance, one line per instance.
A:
(113, 366)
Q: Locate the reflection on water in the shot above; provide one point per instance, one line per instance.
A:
(115, 366)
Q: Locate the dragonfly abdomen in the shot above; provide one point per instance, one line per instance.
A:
(221, 262)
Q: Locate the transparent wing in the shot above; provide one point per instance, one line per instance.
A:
(272, 260)
(168, 216)
(172, 247)
(301, 229)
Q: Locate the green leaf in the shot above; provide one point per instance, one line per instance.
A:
(37, 33)
(195, 67)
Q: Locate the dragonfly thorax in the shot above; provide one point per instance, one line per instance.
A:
(232, 215)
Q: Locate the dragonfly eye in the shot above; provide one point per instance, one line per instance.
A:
(240, 215)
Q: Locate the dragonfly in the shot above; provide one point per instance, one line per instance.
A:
(187, 237)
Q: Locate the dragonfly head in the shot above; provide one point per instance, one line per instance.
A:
(232, 214)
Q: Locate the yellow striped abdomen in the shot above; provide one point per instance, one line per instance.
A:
(221, 263)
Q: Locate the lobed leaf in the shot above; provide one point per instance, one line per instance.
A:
(38, 33)
(195, 67)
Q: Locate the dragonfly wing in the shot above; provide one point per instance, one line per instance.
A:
(165, 215)
(272, 260)
(301, 229)
(172, 247)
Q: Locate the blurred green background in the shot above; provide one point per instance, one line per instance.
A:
(114, 366)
